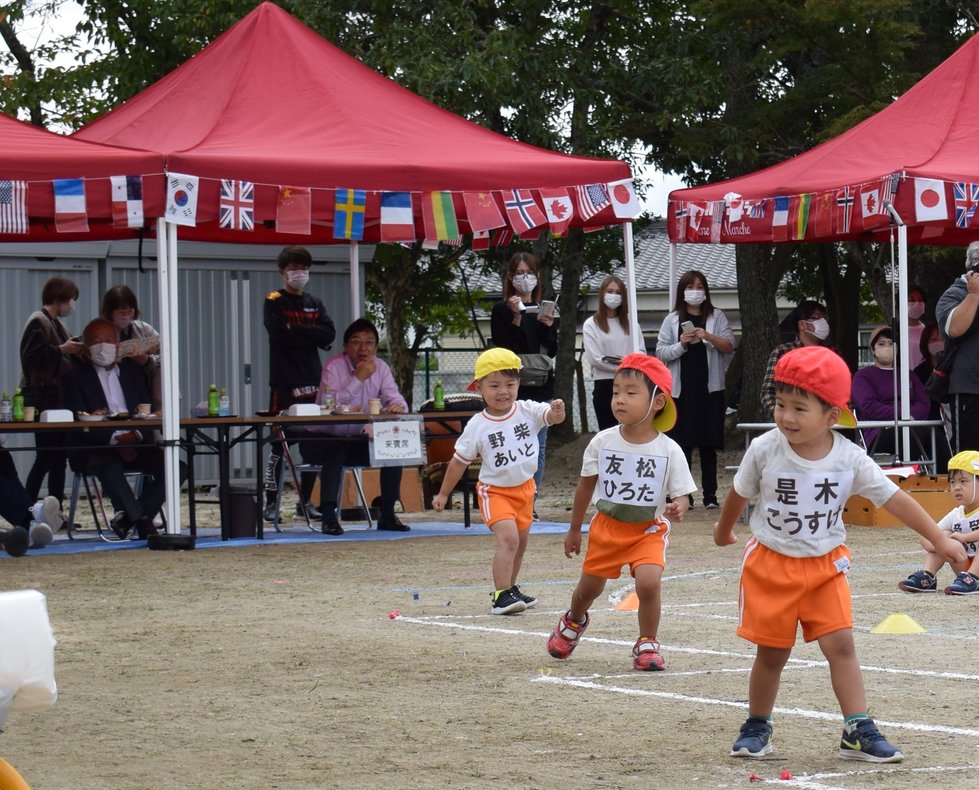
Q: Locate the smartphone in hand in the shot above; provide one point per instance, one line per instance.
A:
(547, 307)
(687, 326)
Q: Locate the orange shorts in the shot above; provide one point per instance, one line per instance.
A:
(612, 544)
(499, 503)
(779, 592)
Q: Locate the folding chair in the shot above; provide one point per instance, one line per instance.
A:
(93, 492)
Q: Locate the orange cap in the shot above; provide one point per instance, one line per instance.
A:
(822, 372)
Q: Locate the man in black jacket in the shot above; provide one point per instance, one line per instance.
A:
(958, 319)
(99, 385)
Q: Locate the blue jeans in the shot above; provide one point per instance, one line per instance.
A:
(542, 441)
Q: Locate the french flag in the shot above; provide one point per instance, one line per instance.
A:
(69, 205)
(397, 223)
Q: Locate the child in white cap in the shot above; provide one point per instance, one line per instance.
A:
(504, 436)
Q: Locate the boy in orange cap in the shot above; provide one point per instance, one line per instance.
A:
(794, 566)
(635, 466)
(504, 435)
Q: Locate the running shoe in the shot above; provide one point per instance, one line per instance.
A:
(564, 638)
(965, 584)
(919, 581)
(527, 599)
(862, 741)
(646, 656)
(506, 603)
(755, 739)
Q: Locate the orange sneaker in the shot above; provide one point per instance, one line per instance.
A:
(646, 656)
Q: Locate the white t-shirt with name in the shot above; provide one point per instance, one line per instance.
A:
(956, 520)
(634, 480)
(508, 445)
(799, 503)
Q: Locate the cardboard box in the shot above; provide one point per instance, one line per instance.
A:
(861, 512)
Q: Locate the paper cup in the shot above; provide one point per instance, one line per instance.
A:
(374, 406)
(144, 409)
(30, 412)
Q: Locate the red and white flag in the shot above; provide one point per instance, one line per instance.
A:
(69, 205)
(716, 220)
(622, 193)
(522, 210)
(558, 207)
(872, 211)
(592, 198)
(482, 211)
(13, 207)
(481, 240)
(182, 193)
(236, 209)
(930, 204)
(127, 201)
(696, 215)
(292, 211)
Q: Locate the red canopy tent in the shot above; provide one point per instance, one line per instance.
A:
(914, 164)
(37, 157)
(273, 103)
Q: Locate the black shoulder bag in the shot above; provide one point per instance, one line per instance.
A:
(937, 384)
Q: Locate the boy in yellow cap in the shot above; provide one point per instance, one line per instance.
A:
(961, 523)
(794, 565)
(634, 466)
(504, 435)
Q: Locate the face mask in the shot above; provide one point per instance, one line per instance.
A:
(524, 283)
(123, 323)
(936, 348)
(884, 355)
(103, 354)
(297, 278)
(67, 308)
(613, 301)
(694, 297)
(916, 310)
(820, 328)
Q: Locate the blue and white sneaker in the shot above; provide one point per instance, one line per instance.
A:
(862, 741)
(919, 581)
(965, 584)
(755, 739)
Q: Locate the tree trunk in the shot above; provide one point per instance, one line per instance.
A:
(759, 270)
(841, 284)
(572, 262)
(393, 283)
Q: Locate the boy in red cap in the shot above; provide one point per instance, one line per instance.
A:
(794, 566)
(635, 467)
(504, 435)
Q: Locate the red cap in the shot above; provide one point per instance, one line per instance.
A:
(659, 374)
(822, 372)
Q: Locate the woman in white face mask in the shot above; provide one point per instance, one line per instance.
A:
(119, 306)
(609, 336)
(917, 304)
(519, 324)
(812, 329)
(696, 343)
(874, 397)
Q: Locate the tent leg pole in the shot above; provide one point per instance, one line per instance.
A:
(638, 344)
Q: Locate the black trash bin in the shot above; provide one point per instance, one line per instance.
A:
(244, 512)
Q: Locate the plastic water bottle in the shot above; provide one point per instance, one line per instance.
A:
(439, 394)
(18, 405)
(224, 403)
(6, 408)
(213, 401)
(326, 398)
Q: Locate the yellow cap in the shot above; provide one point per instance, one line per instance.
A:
(966, 461)
(493, 360)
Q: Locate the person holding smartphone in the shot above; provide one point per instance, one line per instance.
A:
(696, 343)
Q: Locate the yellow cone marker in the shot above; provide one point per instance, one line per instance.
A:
(898, 623)
(628, 604)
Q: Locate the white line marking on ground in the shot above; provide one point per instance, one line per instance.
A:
(799, 712)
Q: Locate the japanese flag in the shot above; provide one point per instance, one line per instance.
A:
(625, 204)
(929, 200)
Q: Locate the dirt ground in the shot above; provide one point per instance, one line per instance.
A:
(280, 666)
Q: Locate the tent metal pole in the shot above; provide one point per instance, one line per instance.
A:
(674, 256)
(904, 351)
(638, 344)
(354, 280)
(166, 244)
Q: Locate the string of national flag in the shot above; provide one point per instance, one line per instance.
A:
(831, 213)
(491, 216)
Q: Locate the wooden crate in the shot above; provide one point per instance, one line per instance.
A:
(411, 489)
(860, 511)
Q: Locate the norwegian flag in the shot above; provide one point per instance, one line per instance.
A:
(966, 196)
(844, 204)
(237, 208)
(522, 211)
(681, 215)
(592, 198)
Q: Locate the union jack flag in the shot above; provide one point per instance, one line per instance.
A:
(966, 196)
(592, 198)
(237, 208)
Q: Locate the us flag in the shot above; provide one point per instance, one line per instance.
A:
(592, 198)
(237, 210)
(13, 207)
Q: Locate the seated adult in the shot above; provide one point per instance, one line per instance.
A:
(808, 320)
(40, 521)
(874, 397)
(100, 385)
(353, 377)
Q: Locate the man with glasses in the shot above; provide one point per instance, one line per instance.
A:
(354, 378)
(298, 328)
